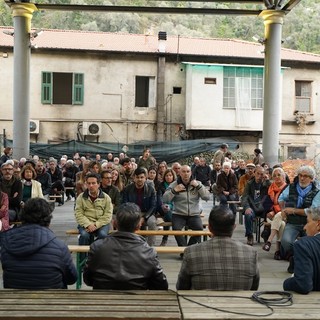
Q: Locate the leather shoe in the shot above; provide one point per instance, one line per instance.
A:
(250, 240)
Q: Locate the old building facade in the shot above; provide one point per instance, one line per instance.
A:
(124, 88)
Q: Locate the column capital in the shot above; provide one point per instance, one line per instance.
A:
(23, 9)
(272, 16)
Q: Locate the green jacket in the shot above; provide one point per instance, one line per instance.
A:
(98, 212)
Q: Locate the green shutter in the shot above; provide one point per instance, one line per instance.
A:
(78, 88)
(46, 88)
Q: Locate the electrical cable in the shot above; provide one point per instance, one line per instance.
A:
(285, 299)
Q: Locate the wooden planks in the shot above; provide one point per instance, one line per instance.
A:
(72, 304)
(221, 304)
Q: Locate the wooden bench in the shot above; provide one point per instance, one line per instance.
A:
(195, 233)
(85, 304)
(85, 249)
(150, 304)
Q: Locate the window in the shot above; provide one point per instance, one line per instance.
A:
(297, 152)
(176, 90)
(145, 92)
(239, 81)
(62, 88)
(303, 96)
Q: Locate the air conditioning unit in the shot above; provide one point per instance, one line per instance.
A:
(91, 128)
(34, 126)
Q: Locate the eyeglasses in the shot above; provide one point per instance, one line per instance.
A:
(7, 169)
(304, 176)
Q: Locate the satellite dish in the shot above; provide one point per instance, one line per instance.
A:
(93, 128)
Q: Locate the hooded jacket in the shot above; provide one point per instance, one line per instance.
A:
(34, 258)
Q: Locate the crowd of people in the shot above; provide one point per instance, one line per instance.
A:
(126, 194)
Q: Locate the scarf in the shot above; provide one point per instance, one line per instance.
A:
(302, 193)
(274, 192)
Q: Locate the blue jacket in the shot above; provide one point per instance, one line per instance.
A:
(306, 253)
(33, 258)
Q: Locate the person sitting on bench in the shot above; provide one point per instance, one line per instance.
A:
(124, 260)
(220, 263)
(32, 256)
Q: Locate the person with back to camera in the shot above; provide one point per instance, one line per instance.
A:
(220, 263)
(124, 260)
(32, 256)
(306, 254)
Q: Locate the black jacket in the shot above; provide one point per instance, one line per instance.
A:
(149, 203)
(33, 258)
(123, 261)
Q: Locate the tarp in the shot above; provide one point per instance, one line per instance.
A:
(168, 151)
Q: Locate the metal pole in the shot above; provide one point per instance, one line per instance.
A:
(22, 15)
(273, 21)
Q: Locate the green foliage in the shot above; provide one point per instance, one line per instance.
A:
(301, 29)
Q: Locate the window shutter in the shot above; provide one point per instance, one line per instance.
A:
(46, 88)
(78, 88)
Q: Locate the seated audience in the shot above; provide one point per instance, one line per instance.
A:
(185, 194)
(306, 254)
(274, 216)
(32, 256)
(12, 186)
(4, 211)
(123, 260)
(295, 199)
(227, 186)
(220, 263)
(31, 188)
(252, 201)
(93, 211)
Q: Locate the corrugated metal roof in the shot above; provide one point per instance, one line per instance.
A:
(138, 43)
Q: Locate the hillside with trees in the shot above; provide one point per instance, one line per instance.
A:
(301, 30)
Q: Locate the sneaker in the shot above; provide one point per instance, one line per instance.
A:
(267, 246)
(250, 240)
(291, 265)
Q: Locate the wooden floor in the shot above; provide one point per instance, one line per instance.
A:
(272, 272)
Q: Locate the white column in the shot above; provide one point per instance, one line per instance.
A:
(273, 21)
(22, 15)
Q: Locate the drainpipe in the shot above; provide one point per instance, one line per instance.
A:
(161, 105)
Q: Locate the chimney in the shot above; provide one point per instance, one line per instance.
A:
(162, 38)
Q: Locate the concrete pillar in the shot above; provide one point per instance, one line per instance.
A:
(161, 107)
(272, 112)
(22, 15)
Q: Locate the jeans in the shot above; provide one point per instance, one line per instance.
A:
(167, 218)
(231, 197)
(192, 222)
(86, 238)
(151, 223)
(248, 222)
(290, 234)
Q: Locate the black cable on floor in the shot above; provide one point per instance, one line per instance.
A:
(284, 299)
